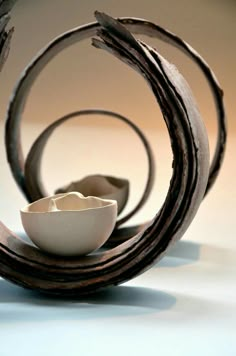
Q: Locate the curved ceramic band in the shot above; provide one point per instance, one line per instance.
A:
(33, 185)
(30, 267)
(138, 26)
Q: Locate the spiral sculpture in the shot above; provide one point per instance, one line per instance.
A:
(131, 250)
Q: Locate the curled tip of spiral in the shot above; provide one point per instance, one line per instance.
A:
(103, 18)
(115, 29)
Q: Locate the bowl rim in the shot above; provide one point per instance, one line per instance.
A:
(26, 208)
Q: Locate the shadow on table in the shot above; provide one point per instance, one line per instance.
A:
(187, 252)
(182, 253)
(18, 304)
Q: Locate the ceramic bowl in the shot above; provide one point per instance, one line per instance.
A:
(105, 187)
(69, 224)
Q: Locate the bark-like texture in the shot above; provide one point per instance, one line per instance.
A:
(191, 178)
(5, 35)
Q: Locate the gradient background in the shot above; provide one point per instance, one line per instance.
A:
(83, 77)
(185, 305)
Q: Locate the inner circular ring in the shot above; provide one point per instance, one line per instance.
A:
(35, 189)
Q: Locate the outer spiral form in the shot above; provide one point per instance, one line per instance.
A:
(191, 179)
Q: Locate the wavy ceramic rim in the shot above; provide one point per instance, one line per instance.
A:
(27, 208)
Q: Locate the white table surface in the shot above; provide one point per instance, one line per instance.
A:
(184, 305)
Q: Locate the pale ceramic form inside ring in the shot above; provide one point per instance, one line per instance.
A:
(105, 187)
(69, 224)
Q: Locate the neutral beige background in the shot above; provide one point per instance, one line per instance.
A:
(189, 297)
(83, 77)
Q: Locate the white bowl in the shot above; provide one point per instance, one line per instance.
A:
(69, 224)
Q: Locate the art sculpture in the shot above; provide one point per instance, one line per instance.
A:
(130, 250)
